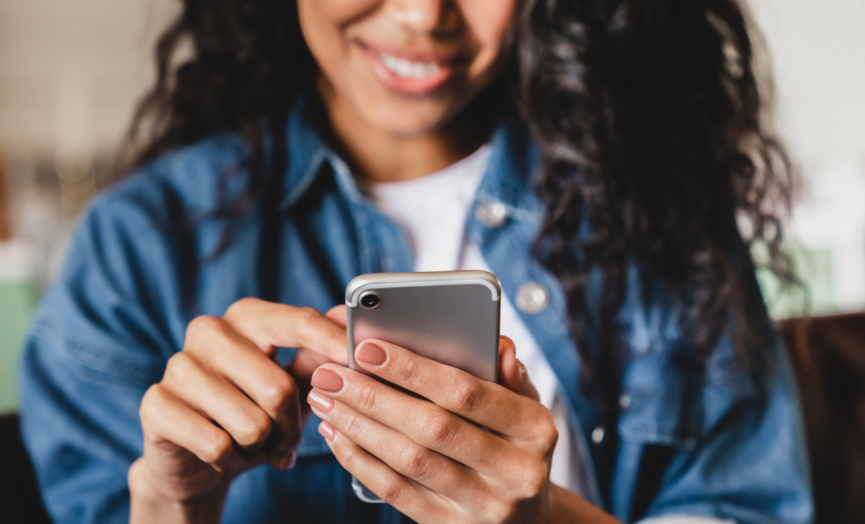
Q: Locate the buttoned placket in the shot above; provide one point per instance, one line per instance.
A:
(504, 223)
(382, 247)
(504, 226)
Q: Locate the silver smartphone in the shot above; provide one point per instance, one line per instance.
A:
(451, 317)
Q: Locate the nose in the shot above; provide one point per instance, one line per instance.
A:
(427, 16)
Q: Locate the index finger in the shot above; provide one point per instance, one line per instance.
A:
(448, 387)
(269, 325)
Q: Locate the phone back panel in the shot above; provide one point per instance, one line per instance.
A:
(450, 317)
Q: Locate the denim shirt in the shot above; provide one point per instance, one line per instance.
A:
(724, 443)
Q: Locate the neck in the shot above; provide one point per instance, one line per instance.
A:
(378, 156)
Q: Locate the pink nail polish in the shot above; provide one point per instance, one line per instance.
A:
(320, 402)
(327, 380)
(327, 431)
(371, 354)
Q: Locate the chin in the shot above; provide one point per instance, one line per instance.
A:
(407, 120)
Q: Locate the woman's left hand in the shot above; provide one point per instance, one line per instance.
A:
(478, 452)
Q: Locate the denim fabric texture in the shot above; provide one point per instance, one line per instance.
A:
(725, 443)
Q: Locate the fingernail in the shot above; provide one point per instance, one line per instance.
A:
(321, 402)
(288, 462)
(370, 353)
(327, 431)
(524, 373)
(327, 381)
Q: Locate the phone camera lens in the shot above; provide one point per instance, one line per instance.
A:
(370, 300)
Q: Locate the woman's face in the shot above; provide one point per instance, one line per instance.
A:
(405, 67)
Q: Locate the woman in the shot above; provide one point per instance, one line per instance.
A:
(306, 143)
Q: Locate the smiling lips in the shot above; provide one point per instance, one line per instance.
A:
(411, 75)
(407, 68)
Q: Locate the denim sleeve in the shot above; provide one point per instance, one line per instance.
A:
(747, 463)
(82, 432)
(95, 346)
(725, 443)
(685, 519)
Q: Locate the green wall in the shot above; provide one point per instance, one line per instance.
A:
(17, 300)
(815, 297)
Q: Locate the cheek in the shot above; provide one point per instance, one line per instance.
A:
(338, 12)
(342, 12)
(324, 23)
(488, 22)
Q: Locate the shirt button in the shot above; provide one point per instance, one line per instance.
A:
(598, 435)
(491, 214)
(532, 298)
(625, 401)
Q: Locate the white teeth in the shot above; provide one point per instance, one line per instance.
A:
(406, 68)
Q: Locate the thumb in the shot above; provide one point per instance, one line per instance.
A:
(301, 370)
(512, 372)
(307, 361)
(338, 315)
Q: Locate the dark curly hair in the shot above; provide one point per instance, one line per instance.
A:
(648, 112)
(653, 128)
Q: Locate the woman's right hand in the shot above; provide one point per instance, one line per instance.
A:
(224, 405)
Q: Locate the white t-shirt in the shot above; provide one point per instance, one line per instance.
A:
(432, 211)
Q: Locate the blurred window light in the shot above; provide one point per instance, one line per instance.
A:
(817, 50)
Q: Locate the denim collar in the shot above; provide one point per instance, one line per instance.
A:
(513, 160)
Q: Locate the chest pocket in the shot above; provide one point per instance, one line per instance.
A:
(666, 401)
(661, 402)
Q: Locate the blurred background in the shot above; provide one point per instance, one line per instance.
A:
(71, 72)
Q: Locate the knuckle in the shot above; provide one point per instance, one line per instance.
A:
(439, 429)
(257, 427)
(366, 399)
(353, 425)
(407, 371)
(535, 481)
(243, 307)
(546, 433)
(179, 366)
(499, 511)
(218, 448)
(303, 319)
(390, 489)
(203, 329)
(347, 458)
(552, 439)
(413, 461)
(151, 404)
(307, 314)
(467, 397)
(280, 392)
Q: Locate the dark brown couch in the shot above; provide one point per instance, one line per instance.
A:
(19, 496)
(828, 355)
